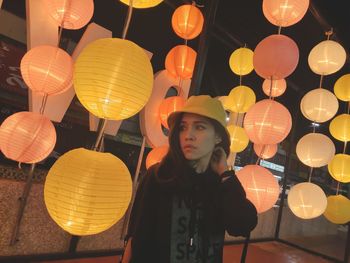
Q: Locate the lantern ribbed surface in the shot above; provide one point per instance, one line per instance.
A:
(142, 3)
(260, 185)
(241, 61)
(338, 209)
(47, 70)
(27, 137)
(339, 168)
(87, 192)
(340, 127)
(180, 61)
(240, 99)
(277, 88)
(239, 138)
(156, 155)
(265, 151)
(168, 106)
(70, 14)
(267, 122)
(113, 78)
(342, 88)
(187, 21)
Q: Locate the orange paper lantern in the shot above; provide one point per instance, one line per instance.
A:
(168, 106)
(265, 151)
(187, 21)
(277, 88)
(156, 155)
(70, 14)
(47, 70)
(27, 137)
(180, 61)
(260, 185)
(267, 122)
(275, 57)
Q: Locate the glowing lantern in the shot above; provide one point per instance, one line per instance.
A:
(187, 21)
(27, 137)
(307, 200)
(340, 127)
(284, 12)
(156, 155)
(339, 168)
(260, 185)
(87, 192)
(113, 78)
(240, 99)
(267, 122)
(265, 151)
(327, 57)
(47, 70)
(70, 14)
(275, 57)
(338, 209)
(315, 149)
(180, 61)
(142, 3)
(277, 88)
(168, 106)
(342, 88)
(241, 61)
(239, 138)
(319, 105)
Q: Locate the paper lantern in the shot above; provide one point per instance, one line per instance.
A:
(275, 57)
(239, 138)
(315, 149)
(307, 200)
(319, 105)
(240, 99)
(180, 61)
(70, 14)
(156, 155)
(338, 209)
(87, 192)
(47, 70)
(260, 185)
(340, 127)
(168, 106)
(342, 88)
(267, 122)
(113, 78)
(284, 12)
(327, 57)
(27, 137)
(241, 61)
(277, 88)
(142, 3)
(265, 151)
(339, 168)
(187, 21)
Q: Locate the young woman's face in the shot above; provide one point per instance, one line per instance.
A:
(197, 137)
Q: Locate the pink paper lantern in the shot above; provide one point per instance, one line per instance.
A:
(260, 185)
(156, 155)
(278, 87)
(267, 122)
(47, 70)
(265, 151)
(168, 106)
(180, 61)
(27, 137)
(275, 57)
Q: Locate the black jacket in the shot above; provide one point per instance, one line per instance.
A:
(224, 207)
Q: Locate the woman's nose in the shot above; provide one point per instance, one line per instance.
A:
(189, 134)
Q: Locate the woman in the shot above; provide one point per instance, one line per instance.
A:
(184, 204)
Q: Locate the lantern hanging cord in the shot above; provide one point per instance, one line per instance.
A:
(321, 81)
(185, 42)
(270, 92)
(348, 111)
(345, 144)
(240, 80)
(329, 33)
(60, 28)
(310, 174)
(338, 188)
(257, 161)
(101, 129)
(197, 5)
(262, 151)
(237, 118)
(128, 19)
(279, 29)
(43, 104)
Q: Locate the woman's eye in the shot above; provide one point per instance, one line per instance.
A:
(182, 127)
(200, 127)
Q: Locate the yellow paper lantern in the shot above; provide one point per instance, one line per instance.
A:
(240, 99)
(241, 61)
(339, 168)
(342, 88)
(113, 78)
(87, 192)
(319, 105)
(315, 149)
(327, 57)
(239, 138)
(307, 200)
(142, 3)
(338, 209)
(340, 127)
(265, 151)
(156, 155)
(260, 185)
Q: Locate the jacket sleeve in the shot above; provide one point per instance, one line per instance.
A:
(239, 214)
